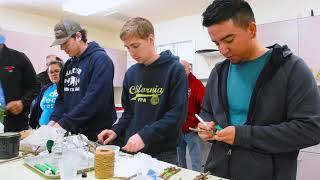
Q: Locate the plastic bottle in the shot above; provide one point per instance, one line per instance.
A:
(2, 108)
(57, 149)
(58, 144)
(1, 128)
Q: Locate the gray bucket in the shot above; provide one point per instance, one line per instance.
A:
(9, 145)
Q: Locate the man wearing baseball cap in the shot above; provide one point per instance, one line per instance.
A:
(85, 103)
(18, 80)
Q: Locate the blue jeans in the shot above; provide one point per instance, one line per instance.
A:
(195, 145)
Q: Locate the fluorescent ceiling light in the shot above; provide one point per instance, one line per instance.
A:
(90, 7)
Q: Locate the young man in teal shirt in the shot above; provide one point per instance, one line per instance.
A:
(265, 99)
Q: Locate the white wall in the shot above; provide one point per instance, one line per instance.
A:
(178, 30)
(278, 10)
(38, 25)
(190, 28)
(34, 24)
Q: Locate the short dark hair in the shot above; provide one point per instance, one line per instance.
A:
(56, 58)
(83, 35)
(60, 63)
(222, 10)
(59, 59)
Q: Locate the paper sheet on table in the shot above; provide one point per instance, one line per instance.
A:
(140, 163)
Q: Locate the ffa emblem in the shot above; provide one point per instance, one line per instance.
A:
(318, 75)
(9, 68)
(154, 100)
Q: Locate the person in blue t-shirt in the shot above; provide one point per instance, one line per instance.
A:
(44, 103)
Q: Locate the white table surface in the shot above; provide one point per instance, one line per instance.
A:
(16, 169)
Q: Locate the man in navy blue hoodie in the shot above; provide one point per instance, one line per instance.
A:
(85, 103)
(154, 96)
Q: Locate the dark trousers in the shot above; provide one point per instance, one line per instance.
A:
(15, 123)
(167, 156)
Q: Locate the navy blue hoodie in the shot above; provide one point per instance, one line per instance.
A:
(85, 103)
(154, 98)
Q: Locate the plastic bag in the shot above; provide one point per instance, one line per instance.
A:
(38, 139)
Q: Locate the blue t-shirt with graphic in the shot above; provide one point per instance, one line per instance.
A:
(47, 104)
(240, 84)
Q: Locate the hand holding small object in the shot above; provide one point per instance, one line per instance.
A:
(206, 129)
(197, 130)
(218, 128)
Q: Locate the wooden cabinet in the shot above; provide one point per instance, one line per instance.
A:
(309, 39)
(283, 32)
(308, 163)
(301, 36)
